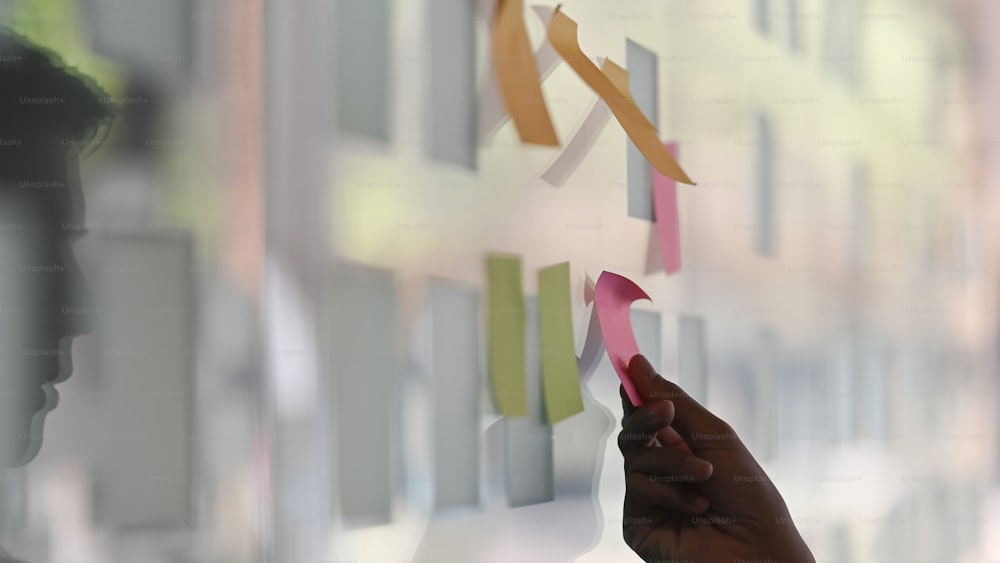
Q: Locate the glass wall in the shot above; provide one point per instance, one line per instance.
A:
(299, 217)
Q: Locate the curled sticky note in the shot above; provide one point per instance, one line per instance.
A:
(518, 76)
(493, 112)
(612, 297)
(562, 34)
(593, 346)
(586, 135)
(665, 206)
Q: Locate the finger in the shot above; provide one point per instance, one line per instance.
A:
(638, 524)
(669, 465)
(640, 429)
(647, 490)
(669, 438)
(627, 407)
(693, 422)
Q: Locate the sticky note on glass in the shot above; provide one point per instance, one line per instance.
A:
(613, 296)
(144, 475)
(457, 376)
(361, 320)
(764, 204)
(452, 119)
(493, 113)
(518, 75)
(643, 88)
(560, 375)
(362, 67)
(586, 134)
(529, 471)
(562, 34)
(766, 379)
(691, 357)
(667, 219)
(506, 336)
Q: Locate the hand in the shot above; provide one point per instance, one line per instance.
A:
(693, 491)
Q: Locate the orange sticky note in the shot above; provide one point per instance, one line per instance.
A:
(563, 36)
(517, 74)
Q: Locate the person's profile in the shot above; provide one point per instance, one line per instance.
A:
(49, 116)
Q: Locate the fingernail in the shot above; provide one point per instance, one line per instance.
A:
(695, 466)
(640, 364)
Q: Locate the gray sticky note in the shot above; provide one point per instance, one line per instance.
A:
(860, 211)
(646, 325)
(362, 41)
(151, 35)
(870, 381)
(765, 206)
(691, 358)
(453, 111)
(457, 377)
(146, 340)
(762, 15)
(842, 394)
(362, 322)
(528, 465)
(643, 83)
(766, 374)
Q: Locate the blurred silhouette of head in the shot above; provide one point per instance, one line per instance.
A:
(49, 116)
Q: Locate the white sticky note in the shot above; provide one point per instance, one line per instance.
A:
(457, 377)
(692, 360)
(579, 145)
(146, 334)
(453, 113)
(643, 83)
(361, 339)
(362, 40)
(528, 465)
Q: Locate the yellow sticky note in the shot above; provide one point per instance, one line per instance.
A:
(560, 374)
(506, 319)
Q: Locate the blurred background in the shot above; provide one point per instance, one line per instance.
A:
(291, 218)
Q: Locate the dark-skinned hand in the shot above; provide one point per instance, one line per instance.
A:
(694, 492)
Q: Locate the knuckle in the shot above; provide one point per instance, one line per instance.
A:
(633, 481)
(724, 427)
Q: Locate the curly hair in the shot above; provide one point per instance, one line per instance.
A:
(38, 93)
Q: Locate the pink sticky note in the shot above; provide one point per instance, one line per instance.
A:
(665, 210)
(612, 298)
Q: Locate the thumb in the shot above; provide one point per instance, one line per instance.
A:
(696, 424)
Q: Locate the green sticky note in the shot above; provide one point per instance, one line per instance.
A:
(506, 319)
(560, 374)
